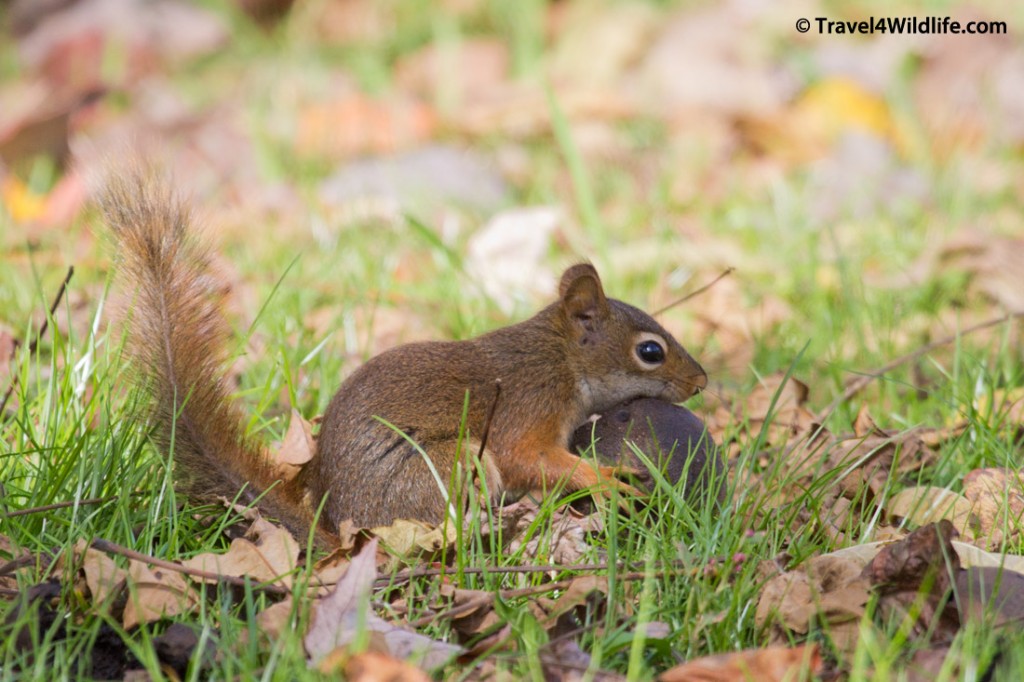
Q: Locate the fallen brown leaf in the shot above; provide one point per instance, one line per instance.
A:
(926, 664)
(507, 255)
(70, 45)
(777, 663)
(39, 125)
(916, 575)
(581, 591)
(357, 124)
(726, 77)
(997, 496)
(297, 448)
(452, 74)
(828, 589)
(990, 260)
(410, 539)
(275, 620)
(564, 661)
(926, 504)
(267, 554)
(566, 541)
(342, 615)
(371, 666)
(104, 578)
(155, 593)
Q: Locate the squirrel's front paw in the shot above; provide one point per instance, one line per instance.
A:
(618, 472)
(610, 477)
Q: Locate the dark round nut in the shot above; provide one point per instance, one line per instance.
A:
(673, 438)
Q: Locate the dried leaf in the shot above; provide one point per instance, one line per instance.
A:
(925, 563)
(329, 570)
(926, 665)
(429, 181)
(70, 45)
(297, 448)
(339, 617)
(22, 204)
(154, 594)
(276, 620)
(824, 113)
(968, 90)
(991, 261)
(267, 554)
(104, 578)
(782, 664)
(581, 591)
(902, 565)
(926, 504)
(623, 32)
(829, 589)
(39, 125)
(409, 539)
(372, 666)
(452, 74)
(357, 124)
(725, 76)
(507, 255)
(997, 496)
(567, 541)
(564, 661)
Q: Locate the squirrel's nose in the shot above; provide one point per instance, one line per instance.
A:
(699, 381)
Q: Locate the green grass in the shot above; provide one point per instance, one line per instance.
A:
(307, 305)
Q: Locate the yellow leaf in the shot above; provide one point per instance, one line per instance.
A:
(834, 105)
(20, 201)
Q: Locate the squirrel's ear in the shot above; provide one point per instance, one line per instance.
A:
(581, 293)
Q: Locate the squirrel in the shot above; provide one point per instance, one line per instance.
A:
(582, 354)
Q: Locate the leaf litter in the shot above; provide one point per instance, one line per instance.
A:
(738, 101)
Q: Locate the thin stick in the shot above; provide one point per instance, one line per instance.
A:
(498, 570)
(42, 330)
(61, 505)
(725, 273)
(15, 564)
(859, 384)
(485, 600)
(113, 548)
(490, 416)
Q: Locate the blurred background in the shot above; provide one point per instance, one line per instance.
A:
(388, 170)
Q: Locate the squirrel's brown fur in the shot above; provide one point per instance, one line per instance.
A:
(178, 337)
(580, 355)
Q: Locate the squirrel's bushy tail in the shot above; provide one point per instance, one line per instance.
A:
(178, 338)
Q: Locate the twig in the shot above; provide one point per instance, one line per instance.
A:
(861, 382)
(490, 416)
(485, 600)
(42, 330)
(15, 564)
(61, 505)
(113, 548)
(725, 273)
(498, 570)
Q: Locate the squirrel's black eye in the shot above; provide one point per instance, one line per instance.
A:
(650, 352)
